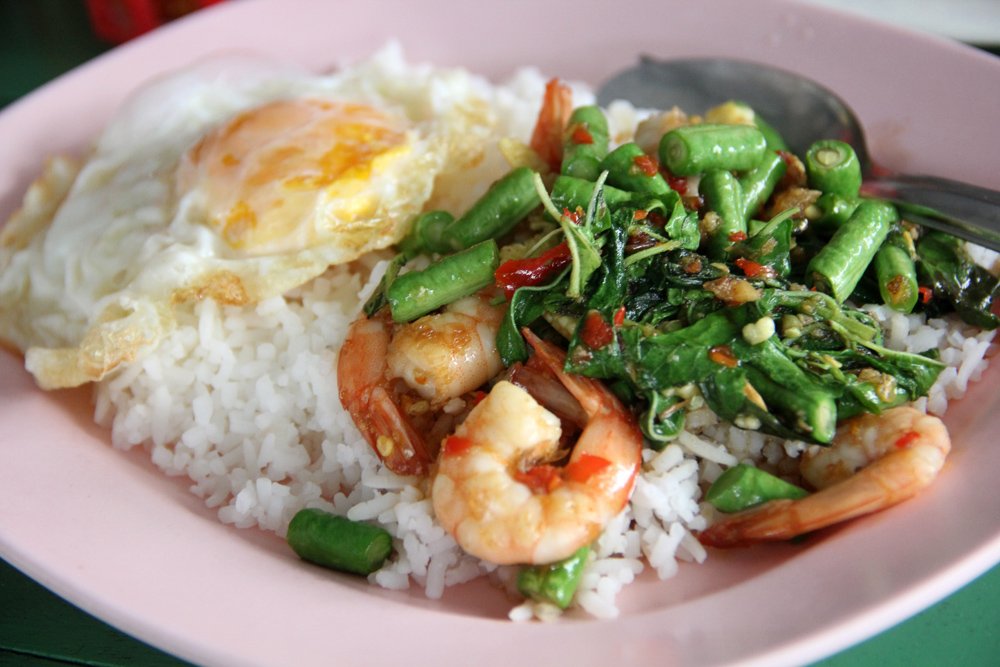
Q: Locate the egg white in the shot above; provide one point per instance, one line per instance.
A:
(94, 264)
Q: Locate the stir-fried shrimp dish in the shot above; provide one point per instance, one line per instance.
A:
(707, 266)
(429, 329)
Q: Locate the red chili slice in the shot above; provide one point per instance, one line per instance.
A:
(529, 271)
(926, 293)
(455, 445)
(596, 332)
(678, 184)
(906, 439)
(581, 135)
(722, 355)
(736, 237)
(752, 269)
(647, 165)
(620, 316)
(585, 467)
(540, 479)
(573, 216)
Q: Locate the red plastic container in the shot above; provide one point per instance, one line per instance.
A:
(118, 21)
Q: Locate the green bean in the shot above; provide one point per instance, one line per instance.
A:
(744, 486)
(378, 300)
(585, 143)
(834, 211)
(629, 168)
(787, 390)
(427, 234)
(774, 140)
(832, 166)
(338, 543)
(696, 149)
(494, 214)
(555, 583)
(759, 182)
(572, 193)
(897, 276)
(839, 265)
(724, 195)
(417, 293)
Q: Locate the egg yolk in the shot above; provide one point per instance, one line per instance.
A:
(283, 175)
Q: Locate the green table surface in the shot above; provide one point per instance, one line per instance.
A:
(41, 39)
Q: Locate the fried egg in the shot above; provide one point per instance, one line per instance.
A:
(236, 179)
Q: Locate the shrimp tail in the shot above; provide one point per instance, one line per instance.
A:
(546, 139)
(365, 395)
(592, 395)
(394, 439)
(900, 452)
(764, 523)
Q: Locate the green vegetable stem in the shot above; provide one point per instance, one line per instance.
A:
(696, 149)
(338, 543)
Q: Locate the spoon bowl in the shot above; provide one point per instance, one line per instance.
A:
(803, 111)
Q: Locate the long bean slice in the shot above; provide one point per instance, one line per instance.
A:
(839, 265)
(555, 583)
(696, 149)
(736, 112)
(832, 166)
(833, 211)
(724, 195)
(575, 193)
(744, 486)
(759, 182)
(504, 205)
(629, 168)
(338, 543)
(417, 293)
(897, 275)
(585, 143)
(786, 389)
(428, 233)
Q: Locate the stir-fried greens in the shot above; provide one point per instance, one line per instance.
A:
(739, 293)
(721, 271)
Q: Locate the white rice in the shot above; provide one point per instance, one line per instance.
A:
(243, 402)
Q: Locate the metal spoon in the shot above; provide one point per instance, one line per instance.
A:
(803, 111)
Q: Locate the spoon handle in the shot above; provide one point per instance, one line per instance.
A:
(967, 211)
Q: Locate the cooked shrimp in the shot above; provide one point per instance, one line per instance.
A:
(440, 357)
(445, 355)
(874, 462)
(496, 490)
(547, 137)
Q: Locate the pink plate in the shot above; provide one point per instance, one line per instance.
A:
(106, 530)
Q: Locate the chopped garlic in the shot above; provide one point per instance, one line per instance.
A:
(758, 331)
